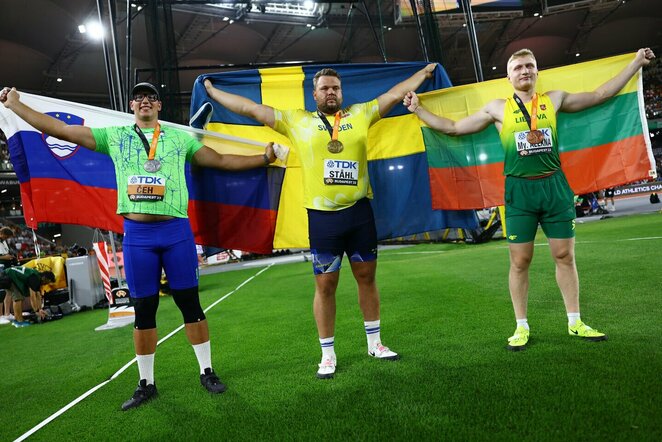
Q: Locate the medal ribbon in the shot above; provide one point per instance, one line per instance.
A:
(333, 131)
(531, 120)
(150, 149)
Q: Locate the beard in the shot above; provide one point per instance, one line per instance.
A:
(329, 108)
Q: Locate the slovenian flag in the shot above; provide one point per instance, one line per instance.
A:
(64, 183)
(601, 147)
(397, 162)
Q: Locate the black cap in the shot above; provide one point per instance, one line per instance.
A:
(146, 87)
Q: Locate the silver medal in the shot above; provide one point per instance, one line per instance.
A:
(152, 166)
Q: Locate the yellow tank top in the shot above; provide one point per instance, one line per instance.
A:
(523, 159)
(331, 181)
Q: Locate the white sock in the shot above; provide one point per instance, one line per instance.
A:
(372, 332)
(203, 353)
(146, 367)
(573, 318)
(328, 350)
(523, 322)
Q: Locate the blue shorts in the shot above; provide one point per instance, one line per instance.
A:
(332, 233)
(150, 247)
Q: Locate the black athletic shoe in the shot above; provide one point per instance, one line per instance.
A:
(142, 394)
(211, 382)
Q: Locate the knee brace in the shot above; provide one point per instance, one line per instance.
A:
(145, 309)
(188, 302)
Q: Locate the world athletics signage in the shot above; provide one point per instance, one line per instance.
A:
(635, 189)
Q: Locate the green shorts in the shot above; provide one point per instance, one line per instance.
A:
(547, 201)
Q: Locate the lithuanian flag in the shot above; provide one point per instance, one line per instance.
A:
(605, 146)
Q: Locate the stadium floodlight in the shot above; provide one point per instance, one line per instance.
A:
(82, 29)
(95, 30)
(294, 8)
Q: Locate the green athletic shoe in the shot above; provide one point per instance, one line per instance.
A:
(519, 340)
(584, 331)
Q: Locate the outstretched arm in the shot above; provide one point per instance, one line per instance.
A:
(80, 135)
(468, 125)
(389, 99)
(566, 102)
(208, 157)
(241, 105)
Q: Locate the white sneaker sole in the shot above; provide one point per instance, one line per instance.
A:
(395, 357)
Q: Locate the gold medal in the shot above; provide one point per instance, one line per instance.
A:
(335, 146)
(534, 137)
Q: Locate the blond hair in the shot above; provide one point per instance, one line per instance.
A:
(519, 54)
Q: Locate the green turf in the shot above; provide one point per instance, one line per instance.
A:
(447, 311)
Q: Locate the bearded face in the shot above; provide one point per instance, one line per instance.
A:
(328, 94)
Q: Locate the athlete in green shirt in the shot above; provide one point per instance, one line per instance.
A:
(332, 144)
(149, 164)
(25, 282)
(536, 189)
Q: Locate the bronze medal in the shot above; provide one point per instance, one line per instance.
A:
(335, 146)
(534, 137)
(152, 166)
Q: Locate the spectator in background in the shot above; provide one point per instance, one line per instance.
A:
(6, 257)
(25, 282)
(609, 203)
(6, 260)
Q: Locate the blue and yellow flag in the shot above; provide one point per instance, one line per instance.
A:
(397, 164)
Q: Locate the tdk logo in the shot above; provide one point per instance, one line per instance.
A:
(156, 180)
(343, 164)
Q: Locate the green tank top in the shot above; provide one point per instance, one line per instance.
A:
(523, 159)
(163, 192)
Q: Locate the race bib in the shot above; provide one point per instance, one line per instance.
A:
(341, 172)
(146, 188)
(525, 148)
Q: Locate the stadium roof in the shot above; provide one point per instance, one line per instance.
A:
(40, 40)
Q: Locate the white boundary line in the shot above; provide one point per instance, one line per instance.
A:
(89, 392)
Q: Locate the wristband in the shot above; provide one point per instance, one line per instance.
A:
(266, 159)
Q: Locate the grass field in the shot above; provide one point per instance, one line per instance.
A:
(445, 308)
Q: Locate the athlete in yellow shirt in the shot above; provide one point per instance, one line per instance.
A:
(331, 142)
(537, 191)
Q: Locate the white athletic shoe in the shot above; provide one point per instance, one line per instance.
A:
(327, 368)
(381, 352)
(4, 320)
